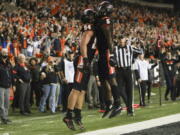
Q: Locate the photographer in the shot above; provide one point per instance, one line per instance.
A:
(6, 78)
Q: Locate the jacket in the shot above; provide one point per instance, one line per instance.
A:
(6, 76)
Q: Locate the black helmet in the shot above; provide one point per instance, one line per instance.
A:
(88, 16)
(105, 8)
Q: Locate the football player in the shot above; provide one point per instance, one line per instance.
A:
(87, 50)
(104, 30)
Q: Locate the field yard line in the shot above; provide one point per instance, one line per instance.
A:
(119, 130)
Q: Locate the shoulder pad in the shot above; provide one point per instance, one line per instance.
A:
(106, 20)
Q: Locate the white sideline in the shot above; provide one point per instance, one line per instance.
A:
(119, 130)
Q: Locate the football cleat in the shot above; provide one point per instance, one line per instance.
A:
(79, 124)
(69, 123)
(115, 111)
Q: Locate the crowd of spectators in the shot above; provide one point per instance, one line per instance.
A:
(53, 25)
(37, 35)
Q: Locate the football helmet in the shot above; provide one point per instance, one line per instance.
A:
(105, 8)
(88, 16)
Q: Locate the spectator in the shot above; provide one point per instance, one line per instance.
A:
(49, 84)
(35, 83)
(168, 67)
(23, 79)
(141, 69)
(6, 80)
(67, 74)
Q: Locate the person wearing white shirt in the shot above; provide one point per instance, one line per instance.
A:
(141, 70)
(34, 45)
(67, 71)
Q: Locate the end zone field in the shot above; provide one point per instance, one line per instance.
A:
(48, 124)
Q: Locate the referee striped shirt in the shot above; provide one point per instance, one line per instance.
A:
(124, 55)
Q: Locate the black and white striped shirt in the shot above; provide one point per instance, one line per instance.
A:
(124, 55)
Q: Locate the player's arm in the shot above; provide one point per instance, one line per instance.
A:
(107, 30)
(86, 37)
(108, 35)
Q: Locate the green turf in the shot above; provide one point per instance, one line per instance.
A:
(48, 124)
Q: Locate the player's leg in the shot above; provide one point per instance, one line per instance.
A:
(72, 100)
(78, 108)
(80, 101)
(108, 97)
(110, 76)
(115, 92)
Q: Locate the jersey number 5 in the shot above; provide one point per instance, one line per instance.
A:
(108, 21)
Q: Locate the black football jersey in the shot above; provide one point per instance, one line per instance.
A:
(102, 41)
(91, 47)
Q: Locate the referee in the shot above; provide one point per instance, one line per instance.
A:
(124, 54)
